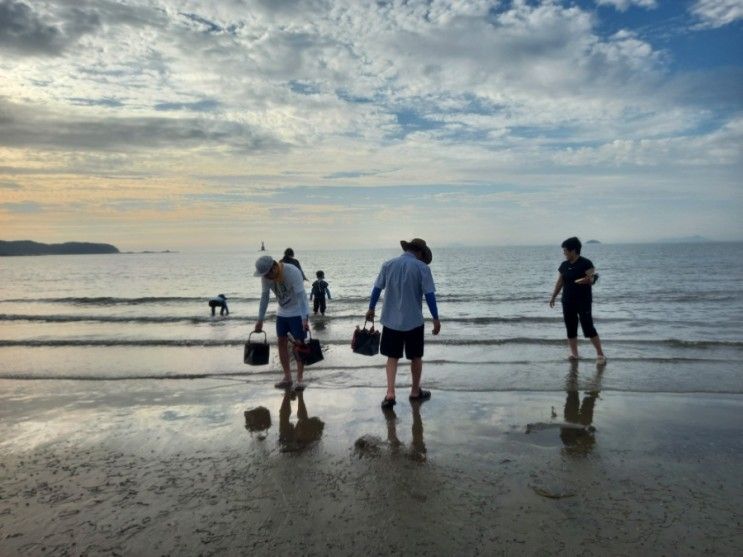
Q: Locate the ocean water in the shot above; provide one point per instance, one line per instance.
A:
(670, 317)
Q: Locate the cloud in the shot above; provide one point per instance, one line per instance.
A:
(207, 25)
(205, 105)
(348, 74)
(623, 5)
(222, 108)
(22, 207)
(717, 13)
(10, 185)
(26, 31)
(349, 174)
(26, 126)
(112, 103)
(720, 147)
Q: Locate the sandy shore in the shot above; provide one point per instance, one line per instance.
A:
(169, 467)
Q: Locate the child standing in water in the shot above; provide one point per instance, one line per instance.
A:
(319, 291)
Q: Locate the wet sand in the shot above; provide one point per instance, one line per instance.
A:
(169, 467)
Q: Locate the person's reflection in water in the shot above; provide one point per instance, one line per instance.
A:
(417, 450)
(295, 437)
(579, 440)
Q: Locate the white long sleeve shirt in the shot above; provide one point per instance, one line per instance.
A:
(289, 294)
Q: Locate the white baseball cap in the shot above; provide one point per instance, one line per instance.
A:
(262, 265)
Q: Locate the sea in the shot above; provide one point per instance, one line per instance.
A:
(670, 317)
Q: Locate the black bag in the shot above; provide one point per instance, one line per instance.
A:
(310, 351)
(366, 341)
(256, 353)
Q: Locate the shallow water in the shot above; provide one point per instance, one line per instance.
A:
(669, 322)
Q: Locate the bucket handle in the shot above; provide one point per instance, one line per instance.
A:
(265, 337)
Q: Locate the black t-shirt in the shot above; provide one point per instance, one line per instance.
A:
(319, 288)
(292, 261)
(570, 272)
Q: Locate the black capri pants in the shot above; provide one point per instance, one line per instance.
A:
(575, 312)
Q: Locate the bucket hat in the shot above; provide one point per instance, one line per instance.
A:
(417, 244)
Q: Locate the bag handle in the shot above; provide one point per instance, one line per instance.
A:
(296, 342)
(366, 321)
(265, 337)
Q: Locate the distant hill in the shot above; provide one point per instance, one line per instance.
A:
(593, 242)
(27, 247)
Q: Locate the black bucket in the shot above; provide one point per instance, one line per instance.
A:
(256, 353)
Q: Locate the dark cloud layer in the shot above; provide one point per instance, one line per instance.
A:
(205, 105)
(9, 185)
(29, 127)
(25, 31)
(80, 101)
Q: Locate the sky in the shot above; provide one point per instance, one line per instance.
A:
(188, 125)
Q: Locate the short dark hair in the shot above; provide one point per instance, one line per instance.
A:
(289, 252)
(572, 244)
(320, 274)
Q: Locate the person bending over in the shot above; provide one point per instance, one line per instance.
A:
(291, 317)
(219, 301)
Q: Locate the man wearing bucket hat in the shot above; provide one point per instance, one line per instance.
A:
(406, 280)
(291, 317)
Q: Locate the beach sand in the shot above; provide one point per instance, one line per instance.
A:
(154, 467)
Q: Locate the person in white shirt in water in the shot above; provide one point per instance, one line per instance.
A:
(406, 280)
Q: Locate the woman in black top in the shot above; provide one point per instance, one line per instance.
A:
(577, 274)
(289, 258)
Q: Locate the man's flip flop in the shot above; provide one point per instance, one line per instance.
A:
(388, 402)
(299, 387)
(422, 395)
(283, 384)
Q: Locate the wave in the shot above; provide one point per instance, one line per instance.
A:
(491, 320)
(148, 376)
(319, 383)
(718, 296)
(676, 343)
(222, 320)
(334, 368)
(121, 319)
(112, 301)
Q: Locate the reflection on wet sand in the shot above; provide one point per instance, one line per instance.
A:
(258, 420)
(369, 445)
(295, 437)
(580, 440)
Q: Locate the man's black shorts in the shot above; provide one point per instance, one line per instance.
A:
(394, 341)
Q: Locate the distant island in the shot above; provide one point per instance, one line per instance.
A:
(593, 242)
(27, 247)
